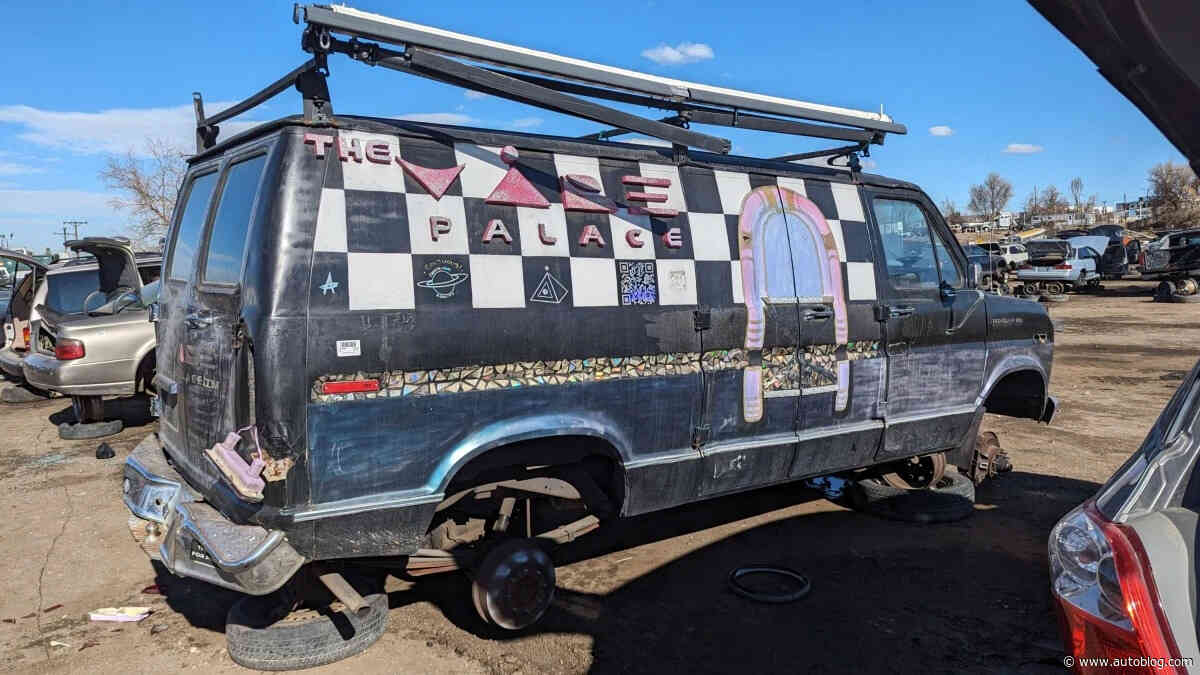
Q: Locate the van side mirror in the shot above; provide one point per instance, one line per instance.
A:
(976, 275)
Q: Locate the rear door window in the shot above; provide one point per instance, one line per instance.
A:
(191, 223)
(66, 292)
(228, 235)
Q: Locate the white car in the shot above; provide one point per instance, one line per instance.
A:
(1014, 255)
(1059, 265)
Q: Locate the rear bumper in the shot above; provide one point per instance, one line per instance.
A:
(10, 363)
(79, 378)
(191, 538)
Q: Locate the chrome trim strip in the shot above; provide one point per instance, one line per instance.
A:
(386, 500)
(932, 414)
(667, 458)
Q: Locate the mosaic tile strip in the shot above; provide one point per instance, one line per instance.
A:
(780, 371)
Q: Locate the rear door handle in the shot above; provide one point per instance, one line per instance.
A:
(900, 312)
(818, 314)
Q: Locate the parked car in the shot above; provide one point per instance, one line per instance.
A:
(1012, 254)
(426, 345)
(19, 310)
(93, 338)
(1059, 265)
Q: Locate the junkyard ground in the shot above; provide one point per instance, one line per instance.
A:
(649, 594)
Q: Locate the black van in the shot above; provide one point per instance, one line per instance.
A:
(438, 346)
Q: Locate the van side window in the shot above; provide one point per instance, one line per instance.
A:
(907, 246)
(228, 235)
(946, 265)
(187, 232)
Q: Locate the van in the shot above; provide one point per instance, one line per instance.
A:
(442, 347)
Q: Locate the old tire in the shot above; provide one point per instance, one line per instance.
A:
(17, 393)
(84, 431)
(302, 639)
(953, 498)
(514, 585)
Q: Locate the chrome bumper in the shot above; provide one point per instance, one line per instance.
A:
(172, 524)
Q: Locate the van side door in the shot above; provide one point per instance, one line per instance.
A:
(935, 328)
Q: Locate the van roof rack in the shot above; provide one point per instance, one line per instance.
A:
(558, 83)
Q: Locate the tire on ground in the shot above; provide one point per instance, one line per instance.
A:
(952, 499)
(290, 644)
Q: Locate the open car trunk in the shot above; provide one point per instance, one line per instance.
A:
(118, 265)
(1047, 252)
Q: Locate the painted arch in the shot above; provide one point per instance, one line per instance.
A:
(816, 277)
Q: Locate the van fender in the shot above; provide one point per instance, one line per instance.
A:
(506, 432)
(1007, 366)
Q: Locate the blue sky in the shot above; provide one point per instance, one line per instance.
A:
(83, 82)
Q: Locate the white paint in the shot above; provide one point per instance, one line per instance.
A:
(331, 222)
(528, 219)
(861, 278)
(733, 188)
(849, 206)
(622, 223)
(735, 267)
(497, 282)
(676, 282)
(588, 166)
(368, 175)
(794, 184)
(594, 282)
(674, 192)
(836, 227)
(710, 238)
(420, 208)
(484, 169)
(380, 280)
(349, 348)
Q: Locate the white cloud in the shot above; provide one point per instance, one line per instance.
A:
(13, 169)
(439, 118)
(1022, 148)
(473, 95)
(526, 122)
(684, 52)
(116, 130)
(941, 130)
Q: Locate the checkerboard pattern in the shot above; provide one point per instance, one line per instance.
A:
(375, 240)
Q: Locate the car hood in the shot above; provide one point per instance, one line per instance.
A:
(118, 265)
(1148, 51)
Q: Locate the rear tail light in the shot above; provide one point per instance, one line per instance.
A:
(67, 349)
(25, 334)
(1108, 602)
(1063, 266)
(349, 386)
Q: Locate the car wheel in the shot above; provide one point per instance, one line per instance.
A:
(88, 409)
(514, 585)
(952, 498)
(260, 635)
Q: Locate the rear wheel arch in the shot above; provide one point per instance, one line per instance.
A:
(145, 370)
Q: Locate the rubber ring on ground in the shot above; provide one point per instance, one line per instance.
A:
(773, 598)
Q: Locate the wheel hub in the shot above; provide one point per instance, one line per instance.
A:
(917, 473)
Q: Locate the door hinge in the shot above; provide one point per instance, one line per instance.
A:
(700, 435)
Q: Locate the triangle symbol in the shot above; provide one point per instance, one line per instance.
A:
(435, 181)
(516, 190)
(549, 290)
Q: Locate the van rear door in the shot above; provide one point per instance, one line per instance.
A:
(211, 323)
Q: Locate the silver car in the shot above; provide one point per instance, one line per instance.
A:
(94, 337)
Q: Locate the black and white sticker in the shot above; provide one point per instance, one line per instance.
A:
(349, 348)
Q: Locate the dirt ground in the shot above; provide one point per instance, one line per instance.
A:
(649, 594)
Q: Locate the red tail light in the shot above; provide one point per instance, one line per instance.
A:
(349, 386)
(25, 334)
(1063, 266)
(67, 349)
(1107, 600)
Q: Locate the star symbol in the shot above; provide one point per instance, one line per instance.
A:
(330, 286)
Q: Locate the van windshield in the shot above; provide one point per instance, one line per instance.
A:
(66, 292)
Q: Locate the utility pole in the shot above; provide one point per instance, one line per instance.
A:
(76, 224)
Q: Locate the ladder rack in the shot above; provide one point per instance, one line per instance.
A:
(553, 82)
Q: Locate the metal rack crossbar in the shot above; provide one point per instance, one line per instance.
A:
(553, 82)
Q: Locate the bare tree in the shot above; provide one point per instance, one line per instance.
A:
(990, 198)
(1052, 201)
(1173, 189)
(951, 213)
(148, 185)
(1076, 188)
